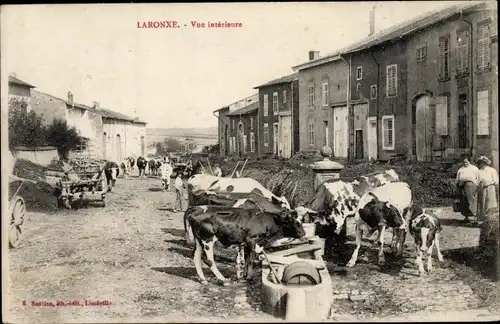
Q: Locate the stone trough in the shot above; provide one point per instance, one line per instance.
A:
(302, 290)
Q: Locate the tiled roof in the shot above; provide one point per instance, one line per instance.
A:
(15, 80)
(245, 110)
(397, 31)
(285, 79)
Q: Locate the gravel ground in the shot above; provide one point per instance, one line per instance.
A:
(133, 255)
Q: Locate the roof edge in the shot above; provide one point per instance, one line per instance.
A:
(320, 61)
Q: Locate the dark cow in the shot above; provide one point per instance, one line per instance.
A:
(378, 209)
(425, 228)
(152, 167)
(252, 229)
(132, 162)
(111, 172)
(141, 165)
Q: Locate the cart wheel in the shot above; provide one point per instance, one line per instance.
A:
(104, 201)
(18, 221)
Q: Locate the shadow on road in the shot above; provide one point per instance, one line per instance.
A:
(156, 189)
(182, 243)
(173, 231)
(189, 254)
(471, 257)
(183, 272)
(457, 223)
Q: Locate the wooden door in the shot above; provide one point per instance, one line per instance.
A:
(340, 131)
(423, 125)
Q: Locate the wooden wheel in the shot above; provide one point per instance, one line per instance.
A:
(17, 221)
(103, 201)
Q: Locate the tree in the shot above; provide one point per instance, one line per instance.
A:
(60, 135)
(173, 144)
(25, 128)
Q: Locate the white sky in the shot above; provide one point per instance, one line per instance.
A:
(177, 77)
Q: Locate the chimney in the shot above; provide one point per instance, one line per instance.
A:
(96, 104)
(70, 97)
(313, 55)
(372, 21)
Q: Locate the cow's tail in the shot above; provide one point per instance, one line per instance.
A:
(188, 230)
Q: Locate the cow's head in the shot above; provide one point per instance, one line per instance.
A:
(290, 224)
(305, 215)
(282, 202)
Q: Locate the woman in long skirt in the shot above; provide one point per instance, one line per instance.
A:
(467, 181)
(488, 182)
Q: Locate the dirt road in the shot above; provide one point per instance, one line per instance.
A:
(131, 257)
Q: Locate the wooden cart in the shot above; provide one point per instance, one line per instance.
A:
(88, 185)
(17, 213)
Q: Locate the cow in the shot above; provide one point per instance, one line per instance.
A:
(126, 167)
(340, 197)
(383, 207)
(237, 185)
(425, 228)
(141, 165)
(253, 201)
(131, 161)
(111, 172)
(251, 230)
(152, 167)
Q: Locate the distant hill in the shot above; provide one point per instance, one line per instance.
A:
(190, 131)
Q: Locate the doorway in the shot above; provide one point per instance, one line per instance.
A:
(226, 141)
(359, 144)
(104, 142)
(275, 138)
(143, 147)
(372, 138)
(325, 124)
(462, 121)
(118, 147)
(423, 128)
(340, 131)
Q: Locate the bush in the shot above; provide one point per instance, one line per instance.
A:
(61, 136)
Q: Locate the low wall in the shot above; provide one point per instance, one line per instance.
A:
(38, 155)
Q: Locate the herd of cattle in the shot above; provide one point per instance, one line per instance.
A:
(240, 212)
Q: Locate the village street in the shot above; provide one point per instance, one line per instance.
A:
(134, 256)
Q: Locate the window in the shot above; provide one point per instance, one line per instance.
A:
(325, 140)
(442, 115)
(359, 73)
(462, 53)
(324, 94)
(275, 103)
(483, 113)
(373, 91)
(388, 132)
(483, 47)
(252, 142)
(251, 123)
(392, 80)
(81, 145)
(444, 58)
(266, 105)
(311, 133)
(422, 53)
(266, 134)
(310, 95)
(284, 96)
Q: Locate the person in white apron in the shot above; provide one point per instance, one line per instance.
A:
(166, 172)
(488, 183)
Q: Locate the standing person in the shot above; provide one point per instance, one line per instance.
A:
(467, 181)
(217, 171)
(488, 182)
(166, 172)
(179, 193)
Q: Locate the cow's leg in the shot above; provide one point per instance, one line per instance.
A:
(436, 243)
(197, 262)
(240, 262)
(380, 239)
(209, 251)
(250, 253)
(418, 260)
(354, 257)
(429, 256)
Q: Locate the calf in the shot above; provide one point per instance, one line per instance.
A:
(425, 228)
(152, 167)
(126, 167)
(378, 209)
(249, 229)
(141, 165)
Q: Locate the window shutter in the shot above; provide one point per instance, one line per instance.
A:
(442, 115)
(483, 122)
(386, 133)
(389, 132)
(441, 58)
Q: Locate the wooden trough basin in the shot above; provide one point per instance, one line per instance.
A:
(303, 289)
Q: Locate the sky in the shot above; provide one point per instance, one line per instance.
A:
(177, 77)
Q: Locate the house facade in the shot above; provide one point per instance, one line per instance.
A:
(452, 86)
(243, 133)
(104, 133)
(223, 130)
(323, 111)
(278, 116)
(20, 90)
